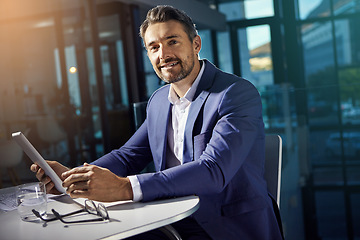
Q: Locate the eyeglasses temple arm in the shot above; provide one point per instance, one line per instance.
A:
(37, 214)
(72, 213)
(58, 216)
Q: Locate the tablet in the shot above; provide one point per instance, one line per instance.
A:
(35, 156)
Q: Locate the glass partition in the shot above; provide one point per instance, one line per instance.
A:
(237, 10)
(313, 8)
(327, 227)
(256, 55)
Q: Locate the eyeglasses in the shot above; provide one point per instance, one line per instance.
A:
(90, 207)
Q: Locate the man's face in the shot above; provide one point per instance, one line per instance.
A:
(170, 50)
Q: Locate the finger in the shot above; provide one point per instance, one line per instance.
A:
(40, 174)
(76, 170)
(34, 167)
(78, 186)
(46, 180)
(79, 194)
(74, 178)
(49, 187)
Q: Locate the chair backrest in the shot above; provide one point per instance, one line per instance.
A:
(273, 161)
(139, 113)
(11, 154)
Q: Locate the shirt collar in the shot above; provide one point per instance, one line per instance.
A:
(189, 95)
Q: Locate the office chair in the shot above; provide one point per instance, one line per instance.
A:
(50, 132)
(273, 160)
(11, 156)
(272, 174)
(139, 113)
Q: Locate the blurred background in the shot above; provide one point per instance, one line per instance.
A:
(70, 71)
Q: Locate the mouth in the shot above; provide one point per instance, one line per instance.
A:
(169, 65)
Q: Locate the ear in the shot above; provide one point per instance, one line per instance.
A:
(197, 44)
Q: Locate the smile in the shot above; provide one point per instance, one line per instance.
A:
(169, 65)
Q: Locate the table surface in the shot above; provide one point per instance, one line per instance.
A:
(126, 219)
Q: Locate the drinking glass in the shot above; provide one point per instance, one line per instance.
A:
(31, 196)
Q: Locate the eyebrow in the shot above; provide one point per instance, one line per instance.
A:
(166, 38)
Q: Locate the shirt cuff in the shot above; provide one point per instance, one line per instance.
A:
(135, 184)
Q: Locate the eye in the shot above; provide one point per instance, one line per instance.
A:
(172, 42)
(153, 48)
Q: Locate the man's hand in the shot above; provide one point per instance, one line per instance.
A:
(40, 175)
(96, 183)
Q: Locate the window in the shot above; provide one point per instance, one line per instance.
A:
(248, 9)
(256, 55)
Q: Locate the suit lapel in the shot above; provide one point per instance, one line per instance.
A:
(161, 132)
(198, 101)
(158, 125)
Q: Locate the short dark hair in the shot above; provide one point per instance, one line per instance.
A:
(164, 13)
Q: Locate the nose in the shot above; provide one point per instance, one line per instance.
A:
(164, 52)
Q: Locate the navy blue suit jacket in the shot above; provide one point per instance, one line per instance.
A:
(223, 157)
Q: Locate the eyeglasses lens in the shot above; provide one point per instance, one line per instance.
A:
(103, 211)
(91, 207)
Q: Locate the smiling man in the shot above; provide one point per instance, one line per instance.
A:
(205, 134)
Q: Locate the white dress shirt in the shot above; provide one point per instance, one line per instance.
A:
(176, 128)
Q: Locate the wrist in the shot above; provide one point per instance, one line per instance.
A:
(126, 192)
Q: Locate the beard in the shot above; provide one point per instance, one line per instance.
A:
(185, 70)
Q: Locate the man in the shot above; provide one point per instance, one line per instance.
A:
(203, 131)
